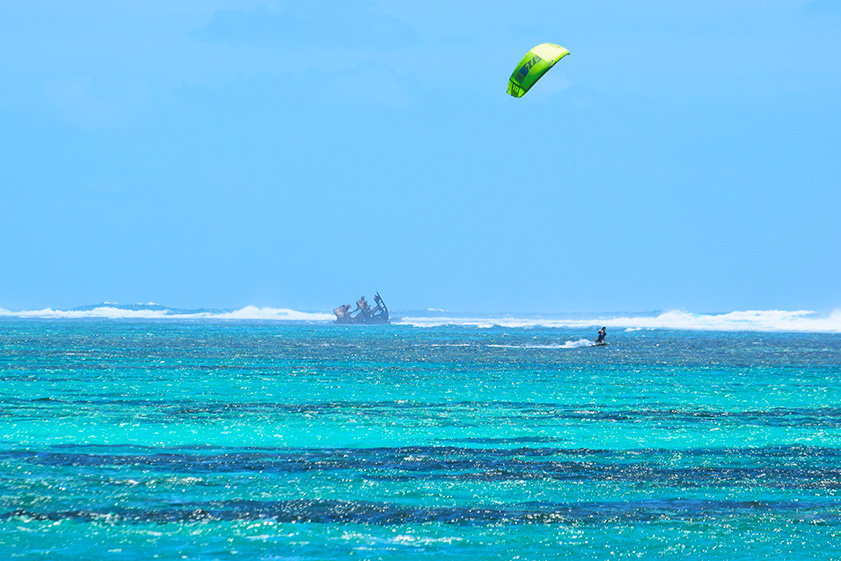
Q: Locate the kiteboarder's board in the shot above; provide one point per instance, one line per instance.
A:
(599, 344)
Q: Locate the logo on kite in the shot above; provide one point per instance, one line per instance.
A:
(524, 70)
(534, 65)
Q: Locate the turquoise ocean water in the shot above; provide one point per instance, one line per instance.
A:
(208, 439)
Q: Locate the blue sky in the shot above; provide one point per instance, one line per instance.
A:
(299, 154)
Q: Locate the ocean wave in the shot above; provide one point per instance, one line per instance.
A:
(154, 311)
(802, 321)
(752, 320)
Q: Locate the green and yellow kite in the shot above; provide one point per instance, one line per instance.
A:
(534, 65)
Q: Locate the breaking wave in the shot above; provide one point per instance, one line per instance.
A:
(155, 311)
(753, 320)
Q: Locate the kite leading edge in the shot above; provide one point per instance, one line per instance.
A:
(534, 65)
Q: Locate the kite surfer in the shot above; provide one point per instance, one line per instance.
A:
(602, 335)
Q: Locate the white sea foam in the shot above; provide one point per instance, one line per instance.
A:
(115, 312)
(567, 345)
(577, 344)
(282, 314)
(751, 320)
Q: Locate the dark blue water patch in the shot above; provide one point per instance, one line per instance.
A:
(517, 440)
(794, 417)
(393, 513)
(778, 467)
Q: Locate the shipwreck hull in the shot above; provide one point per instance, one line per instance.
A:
(361, 320)
(363, 315)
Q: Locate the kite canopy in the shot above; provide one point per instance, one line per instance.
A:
(534, 65)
